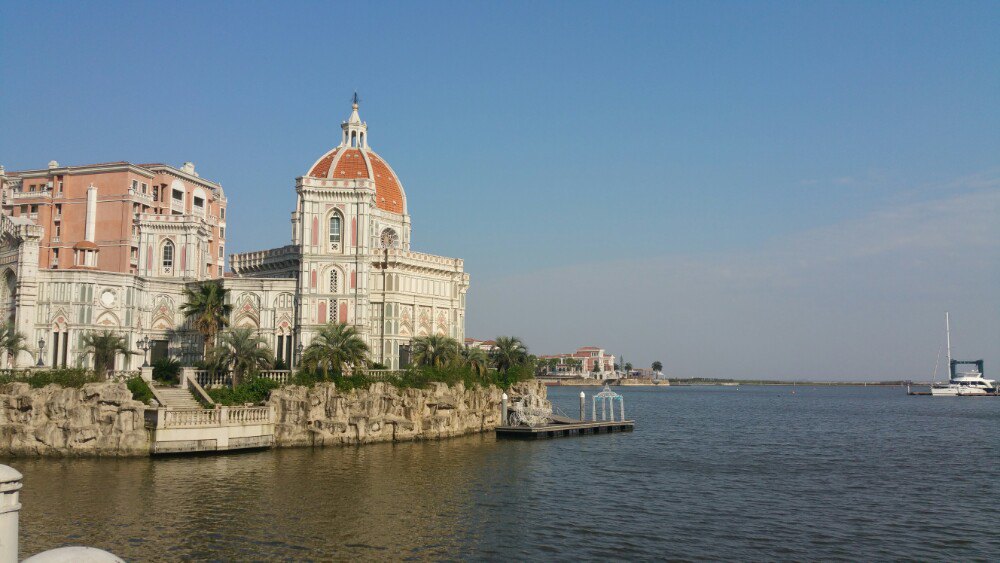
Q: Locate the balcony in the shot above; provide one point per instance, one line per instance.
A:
(145, 198)
(44, 194)
(177, 205)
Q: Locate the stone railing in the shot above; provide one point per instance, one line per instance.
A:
(419, 258)
(15, 374)
(248, 261)
(30, 195)
(247, 415)
(206, 378)
(191, 383)
(217, 417)
(282, 376)
(389, 375)
(190, 418)
(122, 374)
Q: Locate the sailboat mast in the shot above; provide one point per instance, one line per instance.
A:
(947, 331)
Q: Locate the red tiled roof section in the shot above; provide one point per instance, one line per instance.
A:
(387, 190)
(322, 167)
(351, 166)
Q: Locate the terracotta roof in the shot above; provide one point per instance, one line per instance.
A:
(85, 245)
(322, 168)
(387, 190)
(348, 164)
(351, 165)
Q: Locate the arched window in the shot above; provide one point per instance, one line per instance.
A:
(334, 280)
(335, 230)
(168, 255)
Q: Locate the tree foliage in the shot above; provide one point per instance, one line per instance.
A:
(435, 350)
(12, 342)
(476, 359)
(243, 351)
(104, 346)
(508, 352)
(206, 306)
(335, 347)
(657, 366)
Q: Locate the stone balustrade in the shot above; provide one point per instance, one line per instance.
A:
(122, 374)
(257, 259)
(221, 416)
(192, 418)
(419, 258)
(282, 376)
(206, 378)
(388, 375)
(247, 415)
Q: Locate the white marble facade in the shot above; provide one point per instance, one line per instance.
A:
(351, 260)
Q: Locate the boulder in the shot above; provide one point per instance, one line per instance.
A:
(98, 419)
(321, 415)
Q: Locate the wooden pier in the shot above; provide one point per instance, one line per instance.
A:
(558, 430)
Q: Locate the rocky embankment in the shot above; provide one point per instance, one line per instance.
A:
(323, 415)
(98, 419)
(102, 419)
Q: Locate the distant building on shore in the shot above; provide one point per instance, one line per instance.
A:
(587, 362)
(487, 345)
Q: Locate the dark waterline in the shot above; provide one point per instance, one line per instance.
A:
(751, 473)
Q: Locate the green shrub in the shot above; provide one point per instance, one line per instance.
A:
(73, 377)
(253, 390)
(421, 377)
(167, 370)
(140, 390)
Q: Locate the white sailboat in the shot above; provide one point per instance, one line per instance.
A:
(965, 383)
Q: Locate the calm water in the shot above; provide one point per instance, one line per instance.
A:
(719, 473)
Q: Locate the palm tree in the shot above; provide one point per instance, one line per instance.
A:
(335, 347)
(657, 366)
(207, 306)
(435, 350)
(244, 351)
(476, 359)
(105, 346)
(12, 342)
(508, 352)
(628, 368)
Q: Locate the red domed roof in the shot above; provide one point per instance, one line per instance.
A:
(351, 163)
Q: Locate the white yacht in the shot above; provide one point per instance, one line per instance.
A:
(965, 383)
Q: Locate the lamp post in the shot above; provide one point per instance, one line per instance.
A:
(41, 349)
(143, 344)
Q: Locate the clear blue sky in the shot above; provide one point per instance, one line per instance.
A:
(567, 150)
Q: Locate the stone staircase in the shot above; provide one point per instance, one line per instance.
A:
(177, 398)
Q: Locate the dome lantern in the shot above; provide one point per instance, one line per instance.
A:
(355, 131)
